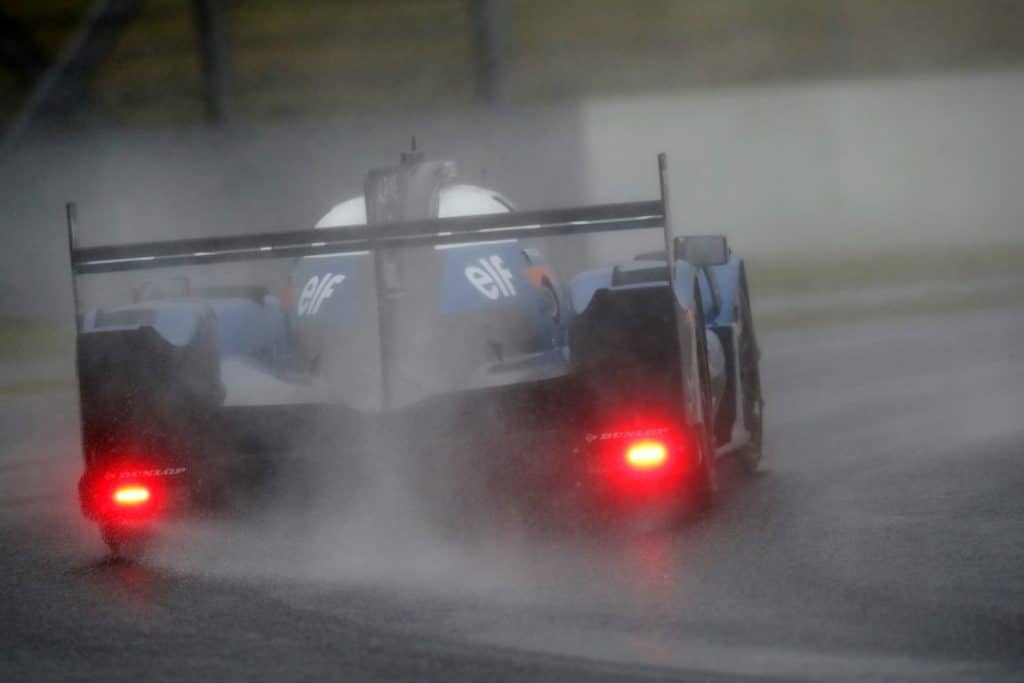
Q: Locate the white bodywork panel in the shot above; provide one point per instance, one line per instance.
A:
(249, 384)
(455, 200)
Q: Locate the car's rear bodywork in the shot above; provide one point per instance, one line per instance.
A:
(454, 333)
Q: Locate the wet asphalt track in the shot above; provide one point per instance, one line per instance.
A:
(883, 540)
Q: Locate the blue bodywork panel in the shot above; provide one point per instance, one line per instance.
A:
(485, 314)
(328, 287)
(727, 283)
(726, 278)
(448, 319)
(482, 276)
(462, 317)
(246, 328)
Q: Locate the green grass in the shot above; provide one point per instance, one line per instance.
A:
(894, 267)
(51, 386)
(25, 338)
(1011, 298)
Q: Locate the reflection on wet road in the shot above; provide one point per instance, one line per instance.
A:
(881, 539)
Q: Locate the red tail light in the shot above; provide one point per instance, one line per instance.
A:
(646, 455)
(132, 495)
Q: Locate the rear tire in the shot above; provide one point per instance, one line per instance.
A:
(705, 485)
(125, 542)
(750, 381)
(750, 455)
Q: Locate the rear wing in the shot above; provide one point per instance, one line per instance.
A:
(368, 238)
(275, 245)
(209, 250)
(376, 238)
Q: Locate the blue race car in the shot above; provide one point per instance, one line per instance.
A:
(422, 321)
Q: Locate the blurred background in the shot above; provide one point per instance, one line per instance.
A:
(840, 144)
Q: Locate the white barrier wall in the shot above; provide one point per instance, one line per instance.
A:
(783, 169)
(162, 184)
(802, 169)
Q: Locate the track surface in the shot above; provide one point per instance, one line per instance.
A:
(882, 539)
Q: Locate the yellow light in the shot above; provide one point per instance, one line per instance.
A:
(647, 455)
(131, 495)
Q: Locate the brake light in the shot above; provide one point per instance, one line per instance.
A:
(646, 455)
(131, 496)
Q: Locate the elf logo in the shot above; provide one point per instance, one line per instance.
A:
(316, 291)
(491, 278)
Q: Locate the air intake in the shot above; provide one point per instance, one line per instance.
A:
(639, 274)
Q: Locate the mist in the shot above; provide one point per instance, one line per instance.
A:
(380, 515)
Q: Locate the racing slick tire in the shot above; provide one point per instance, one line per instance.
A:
(750, 381)
(705, 484)
(125, 542)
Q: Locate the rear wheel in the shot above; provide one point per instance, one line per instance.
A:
(750, 455)
(125, 541)
(750, 381)
(705, 483)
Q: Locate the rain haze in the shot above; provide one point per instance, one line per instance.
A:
(499, 431)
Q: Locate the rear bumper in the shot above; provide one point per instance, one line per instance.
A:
(169, 490)
(617, 490)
